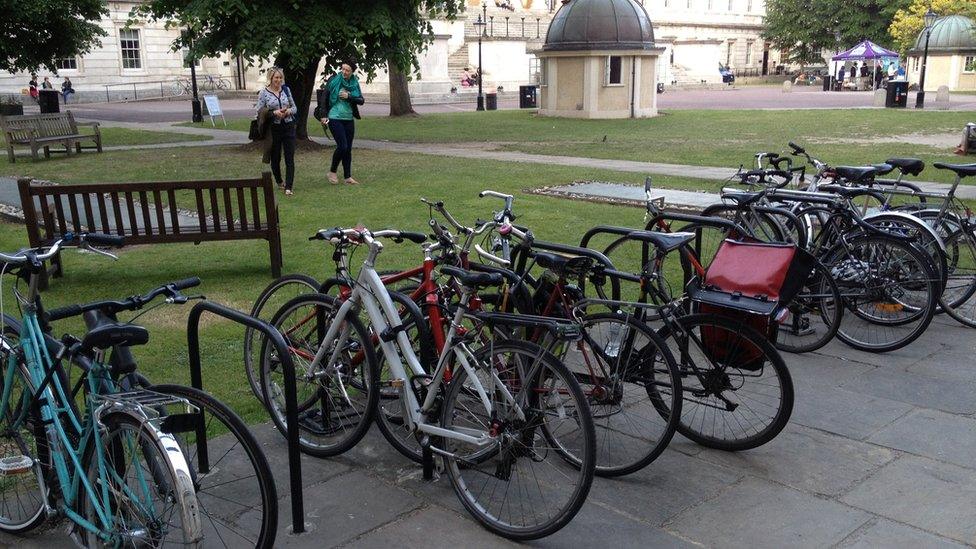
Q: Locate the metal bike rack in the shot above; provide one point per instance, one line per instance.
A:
(291, 401)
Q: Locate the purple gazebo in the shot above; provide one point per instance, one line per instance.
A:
(866, 51)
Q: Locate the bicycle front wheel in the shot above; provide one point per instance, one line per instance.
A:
(519, 485)
(144, 485)
(738, 394)
(336, 401)
(235, 487)
(813, 316)
(957, 299)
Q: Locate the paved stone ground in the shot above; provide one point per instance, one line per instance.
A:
(880, 452)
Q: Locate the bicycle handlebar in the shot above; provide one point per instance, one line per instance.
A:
(68, 239)
(491, 257)
(128, 304)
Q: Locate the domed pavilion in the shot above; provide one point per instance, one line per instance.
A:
(599, 60)
(952, 55)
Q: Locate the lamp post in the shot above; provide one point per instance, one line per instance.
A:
(195, 102)
(930, 17)
(480, 25)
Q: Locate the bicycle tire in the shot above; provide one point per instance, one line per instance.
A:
(840, 263)
(310, 423)
(698, 397)
(651, 363)
(961, 284)
(264, 308)
(168, 468)
(818, 297)
(224, 480)
(506, 457)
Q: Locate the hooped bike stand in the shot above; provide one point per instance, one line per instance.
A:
(291, 401)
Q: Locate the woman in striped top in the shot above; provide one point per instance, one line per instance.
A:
(277, 99)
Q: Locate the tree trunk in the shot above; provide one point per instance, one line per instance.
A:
(399, 92)
(301, 81)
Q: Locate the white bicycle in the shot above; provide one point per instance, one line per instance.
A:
(509, 421)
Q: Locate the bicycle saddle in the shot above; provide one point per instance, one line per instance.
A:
(883, 168)
(744, 198)
(111, 334)
(907, 166)
(664, 242)
(962, 170)
(473, 280)
(846, 192)
(855, 174)
(563, 265)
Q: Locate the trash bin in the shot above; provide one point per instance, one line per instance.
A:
(660, 87)
(828, 83)
(491, 101)
(897, 94)
(48, 101)
(528, 97)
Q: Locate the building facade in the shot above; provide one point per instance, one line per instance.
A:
(697, 35)
(952, 55)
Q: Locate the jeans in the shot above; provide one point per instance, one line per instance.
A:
(343, 132)
(283, 137)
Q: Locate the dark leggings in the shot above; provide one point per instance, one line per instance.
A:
(343, 132)
(283, 137)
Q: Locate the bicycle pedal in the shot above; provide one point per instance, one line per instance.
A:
(395, 383)
(15, 465)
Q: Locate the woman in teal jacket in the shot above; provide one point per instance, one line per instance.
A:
(340, 101)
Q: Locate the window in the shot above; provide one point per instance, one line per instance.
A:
(67, 64)
(728, 53)
(614, 71)
(748, 53)
(689, 4)
(731, 4)
(185, 55)
(710, 2)
(970, 64)
(129, 42)
(748, 5)
(667, 3)
(539, 68)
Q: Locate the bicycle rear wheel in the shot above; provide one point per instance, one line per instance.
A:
(519, 486)
(150, 493)
(957, 299)
(235, 488)
(738, 393)
(813, 315)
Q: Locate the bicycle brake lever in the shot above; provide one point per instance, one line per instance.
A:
(90, 248)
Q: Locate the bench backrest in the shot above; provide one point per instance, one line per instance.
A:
(18, 128)
(144, 213)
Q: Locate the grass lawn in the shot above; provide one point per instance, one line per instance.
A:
(235, 272)
(125, 136)
(697, 138)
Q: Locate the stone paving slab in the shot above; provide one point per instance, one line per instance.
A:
(416, 530)
(886, 533)
(808, 460)
(927, 392)
(846, 413)
(758, 513)
(936, 497)
(933, 434)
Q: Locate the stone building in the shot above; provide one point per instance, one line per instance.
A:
(952, 55)
(599, 61)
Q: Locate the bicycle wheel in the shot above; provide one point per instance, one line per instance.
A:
(276, 294)
(336, 402)
(961, 285)
(614, 363)
(179, 88)
(890, 287)
(736, 397)
(237, 495)
(813, 316)
(519, 486)
(23, 492)
(222, 84)
(146, 487)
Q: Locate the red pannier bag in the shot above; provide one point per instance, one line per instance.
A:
(747, 282)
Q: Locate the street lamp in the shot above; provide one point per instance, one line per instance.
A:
(480, 24)
(929, 17)
(195, 102)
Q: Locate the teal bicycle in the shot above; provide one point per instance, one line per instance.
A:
(106, 463)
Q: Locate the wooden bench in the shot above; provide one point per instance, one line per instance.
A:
(155, 213)
(40, 131)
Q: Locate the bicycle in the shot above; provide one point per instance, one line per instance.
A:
(109, 467)
(230, 473)
(182, 86)
(511, 413)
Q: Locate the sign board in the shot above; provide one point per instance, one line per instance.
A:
(213, 109)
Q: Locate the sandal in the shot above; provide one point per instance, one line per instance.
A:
(288, 192)
(351, 181)
(333, 178)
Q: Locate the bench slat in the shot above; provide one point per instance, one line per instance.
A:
(214, 210)
(228, 210)
(73, 206)
(256, 208)
(106, 229)
(173, 212)
(160, 219)
(89, 213)
(202, 213)
(119, 222)
(131, 207)
(242, 209)
(59, 214)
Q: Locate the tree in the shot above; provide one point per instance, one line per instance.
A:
(400, 104)
(300, 35)
(37, 33)
(803, 28)
(908, 22)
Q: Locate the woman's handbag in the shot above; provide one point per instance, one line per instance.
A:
(253, 134)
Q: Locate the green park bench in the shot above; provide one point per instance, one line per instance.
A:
(41, 131)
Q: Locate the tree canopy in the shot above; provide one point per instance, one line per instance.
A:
(802, 28)
(908, 22)
(37, 33)
(298, 34)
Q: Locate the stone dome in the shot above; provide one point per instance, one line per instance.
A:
(950, 33)
(581, 25)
